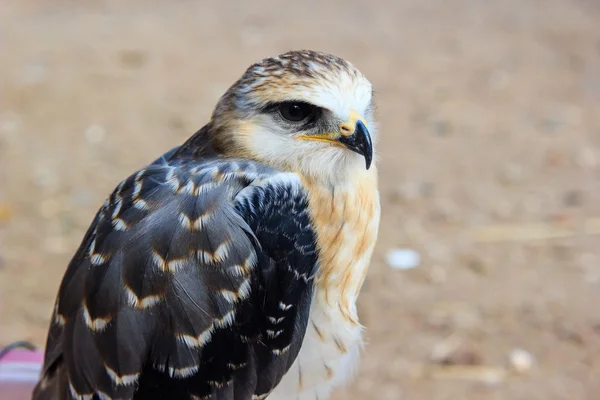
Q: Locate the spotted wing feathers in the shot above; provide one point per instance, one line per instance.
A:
(194, 281)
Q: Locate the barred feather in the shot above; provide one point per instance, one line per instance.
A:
(156, 305)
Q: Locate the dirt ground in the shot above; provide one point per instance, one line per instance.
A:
(489, 152)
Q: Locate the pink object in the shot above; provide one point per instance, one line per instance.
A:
(26, 356)
(19, 372)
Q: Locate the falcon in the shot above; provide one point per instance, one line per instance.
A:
(229, 268)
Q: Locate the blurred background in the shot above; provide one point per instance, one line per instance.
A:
(485, 283)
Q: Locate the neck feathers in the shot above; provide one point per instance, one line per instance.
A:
(346, 220)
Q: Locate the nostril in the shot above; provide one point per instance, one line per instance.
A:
(345, 129)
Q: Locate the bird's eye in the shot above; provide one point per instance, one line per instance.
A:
(296, 111)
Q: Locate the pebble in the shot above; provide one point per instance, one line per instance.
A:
(427, 189)
(531, 204)
(453, 351)
(478, 264)
(442, 350)
(570, 114)
(45, 177)
(414, 231)
(573, 198)
(406, 192)
(521, 360)
(445, 211)
(438, 251)
(441, 127)
(412, 190)
(511, 173)
(82, 197)
(252, 37)
(50, 208)
(562, 117)
(554, 158)
(389, 391)
(551, 125)
(454, 316)
(499, 80)
(95, 134)
(587, 263)
(502, 209)
(437, 275)
(6, 212)
(56, 245)
(176, 122)
(34, 73)
(10, 123)
(569, 333)
(585, 158)
(403, 258)
(133, 58)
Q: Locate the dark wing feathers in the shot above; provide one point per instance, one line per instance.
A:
(193, 281)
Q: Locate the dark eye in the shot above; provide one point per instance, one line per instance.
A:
(296, 111)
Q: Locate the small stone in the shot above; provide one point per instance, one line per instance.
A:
(573, 198)
(95, 134)
(441, 127)
(176, 122)
(56, 245)
(437, 275)
(442, 350)
(34, 73)
(586, 158)
(6, 212)
(427, 189)
(477, 264)
(521, 360)
(438, 251)
(569, 333)
(562, 117)
(414, 231)
(551, 125)
(389, 391)
(45, 177)
(82, 197)
(406, 192)
(10, 123)
(454, 316)
(503, 209)
(587, 263)
(50, 208)
(511, 173)
(531, 204)
(132, 58)
(571, 114)
(499, 80)
(446, 211)
(554, 159)
(453, 351)
(252, 37)
(403, 258)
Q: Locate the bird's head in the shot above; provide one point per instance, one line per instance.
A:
(301, 111)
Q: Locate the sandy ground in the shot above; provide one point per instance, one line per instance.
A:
(489, 155)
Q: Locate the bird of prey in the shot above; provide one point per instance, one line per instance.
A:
(229, 268)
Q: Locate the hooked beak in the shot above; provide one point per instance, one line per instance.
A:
(360, 142)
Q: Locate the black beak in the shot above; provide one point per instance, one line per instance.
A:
(360, 142)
